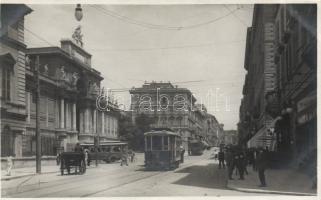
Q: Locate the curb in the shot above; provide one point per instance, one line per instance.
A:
(4, 178)
(269, 191)
(8, 178)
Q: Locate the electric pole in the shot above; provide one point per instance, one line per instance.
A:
(38, 137)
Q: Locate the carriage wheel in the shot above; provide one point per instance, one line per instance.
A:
(177, 164)
(112, 159)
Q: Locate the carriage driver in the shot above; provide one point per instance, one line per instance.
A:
(78, 148)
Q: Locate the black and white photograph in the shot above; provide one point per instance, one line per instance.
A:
(158, 99)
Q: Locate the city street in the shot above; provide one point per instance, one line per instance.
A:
(198, 176)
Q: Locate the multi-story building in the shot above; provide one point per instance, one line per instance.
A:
(12, 73)
(259, 105)
(168, 105)
(69, 89)
(281, 80)
(214, 131)
(296, 58)
(230, 137)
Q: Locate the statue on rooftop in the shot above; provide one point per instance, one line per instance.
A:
(77, 36)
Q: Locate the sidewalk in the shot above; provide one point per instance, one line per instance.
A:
(279, 181)
(28, 171)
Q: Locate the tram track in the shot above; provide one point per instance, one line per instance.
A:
(94, 184)
(59, 182)
(137, 180)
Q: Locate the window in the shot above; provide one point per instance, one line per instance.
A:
(165, 138)
(148, 143)
(157, 143)
(47, 146)
(6, 73)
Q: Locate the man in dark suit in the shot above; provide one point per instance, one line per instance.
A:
(261, 164)
(221, 159)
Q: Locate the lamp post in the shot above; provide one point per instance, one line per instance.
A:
(38, 137)
(78, 12)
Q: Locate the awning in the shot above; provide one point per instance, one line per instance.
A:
(256, 141)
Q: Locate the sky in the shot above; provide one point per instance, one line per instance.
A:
(199, 47)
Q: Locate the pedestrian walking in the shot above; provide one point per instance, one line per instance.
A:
(86, 157)
(9, 165)
(261, 163)
(132, 158)
(239, 160)
(124, 159)
(221, 160)
(245, 162)
(58, 159)
(254, 159)
(182, 151)
(230, 163)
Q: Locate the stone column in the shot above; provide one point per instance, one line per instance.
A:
(67, 116)
(47, 112)
(28, 106)
(62, 113)
(74, 127)
(103, 123)
(95, 122)
(81, 121)
(86, 120)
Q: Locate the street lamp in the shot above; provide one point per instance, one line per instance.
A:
(78, 12)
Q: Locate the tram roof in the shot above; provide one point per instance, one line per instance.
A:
(161, 133)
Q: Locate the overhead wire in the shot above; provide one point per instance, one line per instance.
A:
(39, 37)
(237, 17)
(157, 26)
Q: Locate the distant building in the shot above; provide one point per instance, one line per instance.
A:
(230, 137)
(169, 106)
(214, 131)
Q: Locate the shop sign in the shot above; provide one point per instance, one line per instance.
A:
(307, 102)
(306, 109)
(307, 116)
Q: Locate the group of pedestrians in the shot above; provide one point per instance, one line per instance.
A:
(128, 155)
(237, 160)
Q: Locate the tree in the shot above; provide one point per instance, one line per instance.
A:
(134, 133)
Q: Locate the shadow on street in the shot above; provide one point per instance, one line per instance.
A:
(208, 176)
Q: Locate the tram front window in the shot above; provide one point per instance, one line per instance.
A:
(165, 143)
(157, 143)
(148, 143)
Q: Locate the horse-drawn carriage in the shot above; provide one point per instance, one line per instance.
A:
(72, 160)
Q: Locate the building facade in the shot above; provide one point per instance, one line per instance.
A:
(69, 94)
(296, 58)
(230, 137)
(280, 85)
(69, 88)
(169, 106)
(214, 131)
(12, 72)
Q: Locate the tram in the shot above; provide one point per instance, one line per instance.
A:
(197, 147)
(162, 150)
(106, 151)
